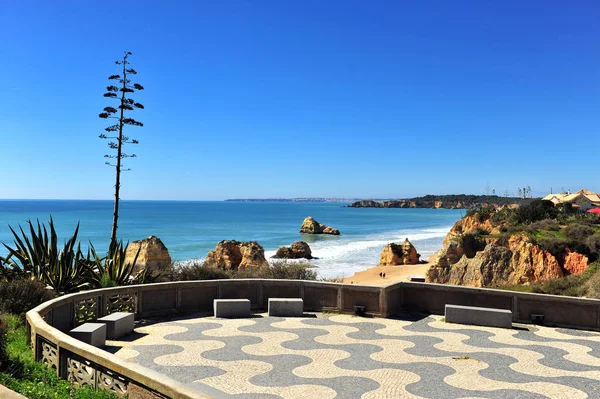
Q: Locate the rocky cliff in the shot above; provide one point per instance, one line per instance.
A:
(153, 254)
(399, 254)
(231, 254)
(476, 253)
(311, 226)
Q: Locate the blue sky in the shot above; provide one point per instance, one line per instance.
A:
(303, 98)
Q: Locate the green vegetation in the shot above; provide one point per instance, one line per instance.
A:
(277, 270)
(20, 295)
(473, 200)
(21, 373)
(36, 256)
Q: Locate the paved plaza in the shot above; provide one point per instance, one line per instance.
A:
(343, 356)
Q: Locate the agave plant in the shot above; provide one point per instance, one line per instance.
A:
(9, 271)
(113, 269)
(37, 256)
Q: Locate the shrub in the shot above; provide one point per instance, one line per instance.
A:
(21, 295)
(198, 271)
(593, 243)
(545, 224)
(578, 232)
(556, 246)
(291, 271)
(534, 211)
(480, 231)
(570, 286)
(284, 269)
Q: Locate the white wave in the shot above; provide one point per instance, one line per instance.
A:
(345, 246)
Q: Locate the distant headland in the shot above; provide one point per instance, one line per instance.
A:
(447, 201)
(345, 200)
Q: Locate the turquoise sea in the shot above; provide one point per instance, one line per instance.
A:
(190, 229)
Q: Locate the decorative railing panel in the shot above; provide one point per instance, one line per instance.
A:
(83, 372)
(121, 303)
(48, 353)
(86, 310)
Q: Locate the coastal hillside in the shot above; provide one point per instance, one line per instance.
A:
(451, 201)
(537, 247)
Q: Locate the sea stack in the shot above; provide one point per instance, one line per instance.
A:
(311, 226)
(298, 250)
(153, 255)
(399, 254)
(231, 254)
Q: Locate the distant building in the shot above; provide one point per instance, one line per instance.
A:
(581, 200)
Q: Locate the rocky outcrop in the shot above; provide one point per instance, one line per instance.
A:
(153, 254)
(366, 204)
(231, 254)
(516, 261)
(298, 250)
(575, 263)
(311, 226)
(399, 254)
(449, 254)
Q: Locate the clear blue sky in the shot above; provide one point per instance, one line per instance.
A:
(303, 98)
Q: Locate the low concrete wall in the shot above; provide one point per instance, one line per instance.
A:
(431, 298)
(49, 322)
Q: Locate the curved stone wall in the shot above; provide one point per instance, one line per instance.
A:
(82, 364)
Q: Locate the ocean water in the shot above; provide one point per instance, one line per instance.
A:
(191, 228)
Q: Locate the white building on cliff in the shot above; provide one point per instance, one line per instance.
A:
(582, 199)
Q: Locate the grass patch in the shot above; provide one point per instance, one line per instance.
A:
(21, 373)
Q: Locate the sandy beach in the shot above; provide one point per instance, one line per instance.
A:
(392, 274)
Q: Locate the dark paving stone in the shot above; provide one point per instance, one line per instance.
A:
(185, 374)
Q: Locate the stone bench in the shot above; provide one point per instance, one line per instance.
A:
(90, 333)
(488, 317)
(231, 308)
(117, 324)
(286, 307)
(416, 278)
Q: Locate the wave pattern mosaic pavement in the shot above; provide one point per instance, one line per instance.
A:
(328, 356)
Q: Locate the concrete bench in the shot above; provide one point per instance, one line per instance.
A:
(117, 324)
(479, 316)
(286, 307)
(418, 279)
(90, 333)
(231, 308)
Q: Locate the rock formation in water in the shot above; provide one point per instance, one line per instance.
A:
(311, 226)
(298, 250)
(231, 254)
(399, 254)
(153, 254)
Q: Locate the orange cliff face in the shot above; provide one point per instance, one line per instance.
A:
(575, 263)
(489, 262)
